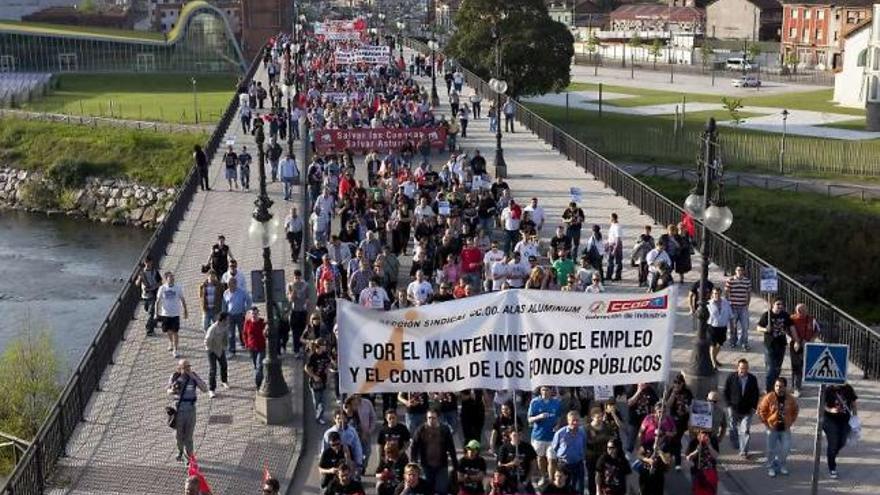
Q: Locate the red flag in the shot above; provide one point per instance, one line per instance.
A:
(195, 471)
(266, 474)
(687, 222)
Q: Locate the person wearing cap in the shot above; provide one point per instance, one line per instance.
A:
(471, 470)
(254, 340)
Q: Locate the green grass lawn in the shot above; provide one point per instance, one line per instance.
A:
(851, 125)
(816, 100)
(143, 156)
(787, 226)
(154, 97)
(650, 139)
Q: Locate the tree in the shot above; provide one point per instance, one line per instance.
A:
(733, 106)
(753, 51)
(791, 61)
(655, 50)
(593, 48)
(536, 51)
(707, 53)
(28, 383)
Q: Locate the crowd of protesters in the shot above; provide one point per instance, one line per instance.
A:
(462, 233)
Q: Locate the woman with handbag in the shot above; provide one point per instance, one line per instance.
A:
(183, 384)
(840, 418)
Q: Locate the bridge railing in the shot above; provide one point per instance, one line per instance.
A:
(837, 325)
(38, 463)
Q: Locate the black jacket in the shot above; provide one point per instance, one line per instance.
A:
(740, 402)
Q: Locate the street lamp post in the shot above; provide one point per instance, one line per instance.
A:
(782, 143)
(195, 99)
(273, 403)
(432, 44)
(714, 215)
(499, 86)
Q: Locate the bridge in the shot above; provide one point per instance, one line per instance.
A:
(107, 434)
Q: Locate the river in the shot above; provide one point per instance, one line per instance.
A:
(63, 275)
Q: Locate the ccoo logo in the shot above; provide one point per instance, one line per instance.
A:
(629, 305)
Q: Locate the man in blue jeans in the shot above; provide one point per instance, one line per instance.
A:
(568, 451)
(236, 302)
(289, 175)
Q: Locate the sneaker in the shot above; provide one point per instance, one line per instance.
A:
(678, 468)
(833, 475)
(170, 348)
(176, 354)
(212, 394)
(796, 393)
(744, 455)
(747, 347)
(732, 345)
(179, 457)
(224, 385)
(322, 421)
(771, 473)
(783, 470)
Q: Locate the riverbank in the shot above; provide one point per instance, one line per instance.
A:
(108, 201)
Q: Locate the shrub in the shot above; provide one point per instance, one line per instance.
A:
(68, 173)
(67, 199)
(38, 194)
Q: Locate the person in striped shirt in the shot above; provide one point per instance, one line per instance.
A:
(738, 288)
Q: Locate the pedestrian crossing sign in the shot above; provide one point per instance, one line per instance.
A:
(825, 363)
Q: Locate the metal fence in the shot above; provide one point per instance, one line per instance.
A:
(838, 326)
(716, 70)
(38, 463)
(66, 118)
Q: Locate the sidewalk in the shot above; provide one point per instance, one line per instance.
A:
(123, 445)
(535, 169)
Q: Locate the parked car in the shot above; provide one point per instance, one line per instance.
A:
(737, 63)
(747, 82)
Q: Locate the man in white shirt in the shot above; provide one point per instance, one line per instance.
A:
(655, 258)
(498, 272)
(491, 257)
(170, 304)
(234, 272)
(325, 203)
(517, 271)
(374, 296)
(423, 211)
(510, 218)
(536, 213)
(293, 228)
(419, 291)
(528, 247)
(615, 250)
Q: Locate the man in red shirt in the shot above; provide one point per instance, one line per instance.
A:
(255, 341)
(807, 329)
(471, 262)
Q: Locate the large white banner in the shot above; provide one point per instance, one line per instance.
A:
(372, 54)
(515, 339)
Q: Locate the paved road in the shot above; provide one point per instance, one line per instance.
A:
(123, 445)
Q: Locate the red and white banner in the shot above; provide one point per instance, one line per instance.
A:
(509, 340)
(382, 139)
(372, 54)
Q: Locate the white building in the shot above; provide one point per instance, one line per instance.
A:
(853, 82)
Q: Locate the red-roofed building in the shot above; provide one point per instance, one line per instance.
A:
(655, 18)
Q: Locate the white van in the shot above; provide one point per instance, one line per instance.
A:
(737, 63)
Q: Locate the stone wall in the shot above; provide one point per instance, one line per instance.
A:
(113, 201)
